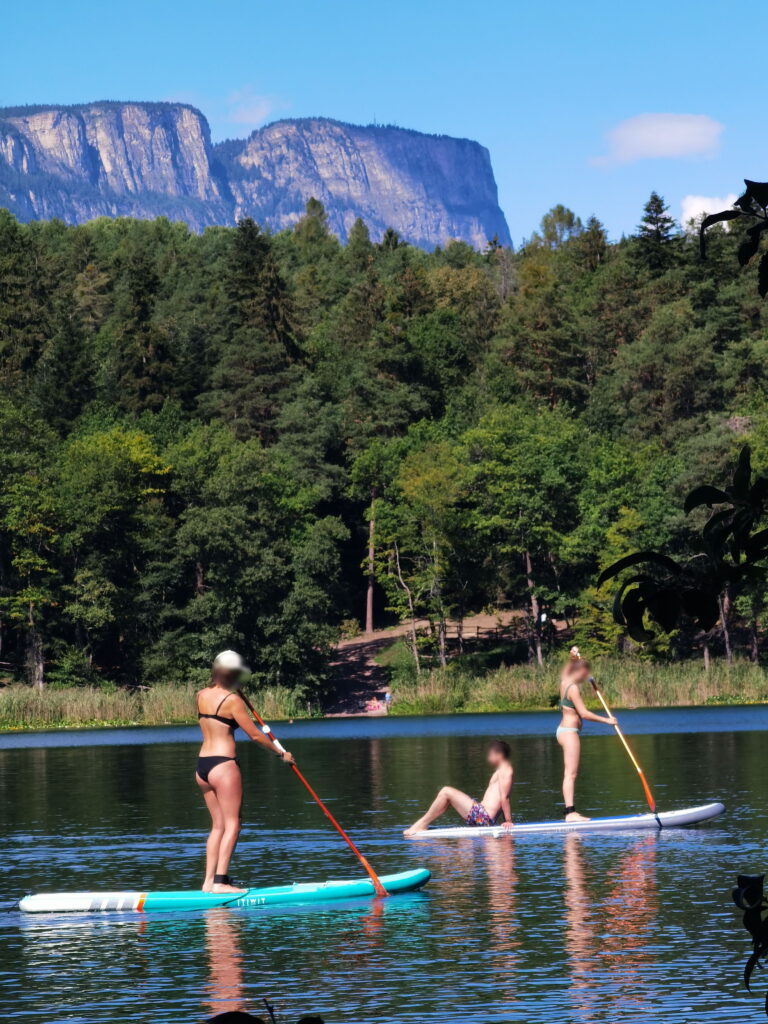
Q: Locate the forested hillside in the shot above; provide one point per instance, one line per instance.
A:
(199, 435)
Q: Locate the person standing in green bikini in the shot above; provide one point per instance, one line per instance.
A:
(574, 675)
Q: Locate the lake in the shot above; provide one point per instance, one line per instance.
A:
(617, 928)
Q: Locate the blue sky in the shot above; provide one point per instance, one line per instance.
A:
(589, 104)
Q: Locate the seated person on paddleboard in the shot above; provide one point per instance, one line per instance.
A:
(476, 813)
(572, 678)
(220, 710)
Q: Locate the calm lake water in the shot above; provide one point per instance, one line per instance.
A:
(605, 928)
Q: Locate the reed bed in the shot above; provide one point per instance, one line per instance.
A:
(22, 707)
(627, 684)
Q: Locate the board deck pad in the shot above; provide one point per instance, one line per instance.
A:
(626, 823)
(145, 902)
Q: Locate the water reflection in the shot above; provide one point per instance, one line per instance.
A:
(631, 912)
(537, 929)
(224, 988)
(499, 856)
(609, 926)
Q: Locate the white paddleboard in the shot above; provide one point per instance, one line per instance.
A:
(635, 822)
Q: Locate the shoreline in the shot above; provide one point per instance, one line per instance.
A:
(507, 689)
(117, 724)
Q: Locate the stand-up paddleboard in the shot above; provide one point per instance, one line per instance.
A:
(665, 819)
(145, 902)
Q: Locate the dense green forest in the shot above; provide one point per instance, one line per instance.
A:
(241, 440)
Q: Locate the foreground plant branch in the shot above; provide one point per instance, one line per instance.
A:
(753, 206)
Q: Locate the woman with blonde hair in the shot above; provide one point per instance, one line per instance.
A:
(574, 711)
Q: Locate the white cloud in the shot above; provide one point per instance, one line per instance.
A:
(696, 207)
(247, 107)
(661, 136)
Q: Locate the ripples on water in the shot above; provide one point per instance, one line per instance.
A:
(575, 929)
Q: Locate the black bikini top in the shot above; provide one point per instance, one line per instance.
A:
(229, 722)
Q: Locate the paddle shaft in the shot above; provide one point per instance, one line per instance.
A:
(266, 729)
(633, 759)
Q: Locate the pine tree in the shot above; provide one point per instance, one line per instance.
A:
(22, 324)
(311, 232)
(251, 379)
(359, 251)
(63, 380)
(144, 369)
(656, 235)
(591, 245)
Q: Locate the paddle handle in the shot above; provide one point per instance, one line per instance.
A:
(633, 759)
(266, 729)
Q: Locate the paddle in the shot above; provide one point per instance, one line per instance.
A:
(378, 887)
(633, 759)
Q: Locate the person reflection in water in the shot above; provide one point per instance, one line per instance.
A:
(220, 710)
(477, 813)
(226, 984)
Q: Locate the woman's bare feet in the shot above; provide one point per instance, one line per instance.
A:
(417, 826)
(219, 887)
(575, 816)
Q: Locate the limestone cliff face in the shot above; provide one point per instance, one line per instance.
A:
(429, 188)
(151, 159)
(110, 159)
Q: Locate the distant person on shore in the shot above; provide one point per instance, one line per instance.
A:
(220, 710)
(477, 813)
(574, 710)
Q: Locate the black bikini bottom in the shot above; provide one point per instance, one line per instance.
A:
(207, 764)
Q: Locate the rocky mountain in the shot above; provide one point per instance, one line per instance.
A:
(156, 159)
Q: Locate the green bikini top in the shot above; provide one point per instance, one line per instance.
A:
(565, 700)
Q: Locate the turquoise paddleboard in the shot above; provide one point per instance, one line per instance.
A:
(146, 902)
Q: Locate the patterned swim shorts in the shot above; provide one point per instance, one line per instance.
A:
(478, 817)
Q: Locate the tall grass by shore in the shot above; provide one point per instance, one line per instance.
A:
(22, 707)
(626, 684)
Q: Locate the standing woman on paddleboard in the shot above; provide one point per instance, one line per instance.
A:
(220, 710)
(572, 678)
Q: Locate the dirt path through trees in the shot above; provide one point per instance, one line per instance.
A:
(360, 682)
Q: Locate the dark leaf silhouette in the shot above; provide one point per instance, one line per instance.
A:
(704, 495)
(758, 191)
(752, 204)
(715, 218)
(749, 896)
(637, 559)
(732, 546)
(743, 474)
(757, 545)
(633, 610)
(664, 608)
(704, 609)
(618, 599)
(748, 249)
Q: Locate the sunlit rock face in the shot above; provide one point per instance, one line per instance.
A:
(429, 188)
(156, 159)
(110, 159)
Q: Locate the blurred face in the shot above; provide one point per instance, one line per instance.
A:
(580, 673)
(495, 757)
